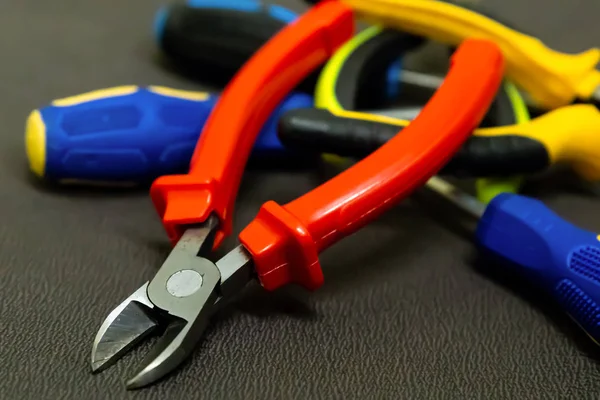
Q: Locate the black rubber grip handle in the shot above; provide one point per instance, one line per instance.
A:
(318, 130)
(214, 43)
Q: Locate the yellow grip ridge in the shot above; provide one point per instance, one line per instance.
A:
(552, 78)
(182, 94)
(95, 95)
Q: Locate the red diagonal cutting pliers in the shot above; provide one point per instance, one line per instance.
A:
(282, 243)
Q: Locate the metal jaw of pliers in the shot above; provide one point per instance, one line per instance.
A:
(178, 302)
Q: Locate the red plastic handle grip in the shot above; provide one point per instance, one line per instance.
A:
(285, 241)
(245, 105)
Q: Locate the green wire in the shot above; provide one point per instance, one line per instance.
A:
(488, 188)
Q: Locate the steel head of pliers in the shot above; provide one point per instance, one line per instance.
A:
(176, 303)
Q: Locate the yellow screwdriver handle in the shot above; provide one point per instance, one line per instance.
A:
(570, 135)
(553, 79)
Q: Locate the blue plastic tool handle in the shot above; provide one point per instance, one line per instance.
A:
(560, 257)
(137, 137)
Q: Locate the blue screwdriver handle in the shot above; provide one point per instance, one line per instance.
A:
(130, 135)
(560, 257)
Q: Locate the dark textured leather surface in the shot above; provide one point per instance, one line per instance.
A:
(404, 312)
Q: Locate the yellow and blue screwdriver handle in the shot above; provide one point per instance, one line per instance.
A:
(129, 134)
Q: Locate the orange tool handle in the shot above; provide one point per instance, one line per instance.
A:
(245, 105)
(285, 241)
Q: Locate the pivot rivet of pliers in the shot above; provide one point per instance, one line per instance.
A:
(184, 283)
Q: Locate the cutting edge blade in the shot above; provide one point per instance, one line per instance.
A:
(119, 321)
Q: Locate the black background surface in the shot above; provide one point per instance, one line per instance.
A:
(403, 314)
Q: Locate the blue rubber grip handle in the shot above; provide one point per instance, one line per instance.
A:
(132, 137)
(548, 251)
